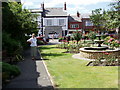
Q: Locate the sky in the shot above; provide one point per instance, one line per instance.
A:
(82, 6)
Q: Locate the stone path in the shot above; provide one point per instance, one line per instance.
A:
(78, 56)
(33, 73)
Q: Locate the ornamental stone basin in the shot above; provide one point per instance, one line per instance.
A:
(95, 54)
(96, 48)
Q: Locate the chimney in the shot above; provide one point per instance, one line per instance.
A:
(78, 14)
(65, 6)
(42, 5)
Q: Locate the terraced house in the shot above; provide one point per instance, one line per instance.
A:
(56, 21)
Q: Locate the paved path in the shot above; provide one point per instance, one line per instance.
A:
(78, 56)
(33, 73)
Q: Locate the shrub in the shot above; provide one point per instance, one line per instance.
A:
(77, 36)
(9, 71)
(40, 42)
(92, 35)
(112, 42)
(60, 39)
(9, 44)
(103, 37)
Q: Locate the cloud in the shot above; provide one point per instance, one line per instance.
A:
(27, 3)
(74, 2)
(72, 5)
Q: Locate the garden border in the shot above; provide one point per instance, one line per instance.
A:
(51, 80)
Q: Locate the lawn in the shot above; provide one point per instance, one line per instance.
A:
(68, 72)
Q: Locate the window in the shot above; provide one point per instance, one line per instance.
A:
(88, 23)
(49, 22)
(61, 22)
(74, 25)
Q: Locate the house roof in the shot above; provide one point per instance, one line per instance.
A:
(12, 0)
(85, 15)
(35, 10)
(55, 12)
(74, 18)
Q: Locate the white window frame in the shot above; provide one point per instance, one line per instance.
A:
(49, 22)
(61, 22)
(88, 23)
(74, 26)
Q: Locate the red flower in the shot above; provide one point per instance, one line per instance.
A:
(106, 53)
(64, 41)
(111, 39)
(117, 41)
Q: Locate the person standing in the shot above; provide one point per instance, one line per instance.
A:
(33, 44)
(52, 36)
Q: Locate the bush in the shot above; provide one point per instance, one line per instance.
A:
(103, 37)
(112, 42)
(60, 39)
(92, 35)
(9, 44)
(77, 36)
(40, 42)
(9, 71)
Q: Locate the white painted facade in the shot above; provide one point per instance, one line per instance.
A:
(56, 21)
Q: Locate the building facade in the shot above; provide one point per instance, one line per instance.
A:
(55, 21)
(38, 19)
(87, 24)
(74, 23)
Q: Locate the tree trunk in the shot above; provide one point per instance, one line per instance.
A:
(77, 42)
(119, 33)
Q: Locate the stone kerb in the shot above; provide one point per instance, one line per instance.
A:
(93, 54)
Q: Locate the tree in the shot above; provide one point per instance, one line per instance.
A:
(113, 16)
(97, 18)
(77, 36)
(92, 36)
(16, 22)
(109, 19)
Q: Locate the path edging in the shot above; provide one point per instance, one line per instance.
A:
(51, 80)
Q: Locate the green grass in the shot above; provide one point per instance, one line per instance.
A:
(68, 72)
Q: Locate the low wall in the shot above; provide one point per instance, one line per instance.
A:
(93, 54)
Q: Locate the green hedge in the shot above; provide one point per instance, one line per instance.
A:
(9, 71)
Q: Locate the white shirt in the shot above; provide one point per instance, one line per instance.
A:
(33, 41)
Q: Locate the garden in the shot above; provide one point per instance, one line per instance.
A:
(68, 72)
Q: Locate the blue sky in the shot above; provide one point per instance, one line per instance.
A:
(83, 6)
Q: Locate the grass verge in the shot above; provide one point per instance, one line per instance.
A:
(68, 72)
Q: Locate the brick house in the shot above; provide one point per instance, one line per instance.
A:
(74, 23)
(87, 25)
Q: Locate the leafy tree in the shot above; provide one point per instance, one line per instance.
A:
(92, 36)
(109, 19)
(16, 22)
(77, 36)
(113, 16)
(97, 19)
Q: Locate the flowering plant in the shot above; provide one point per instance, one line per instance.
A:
(108, 59)
(112, 42)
